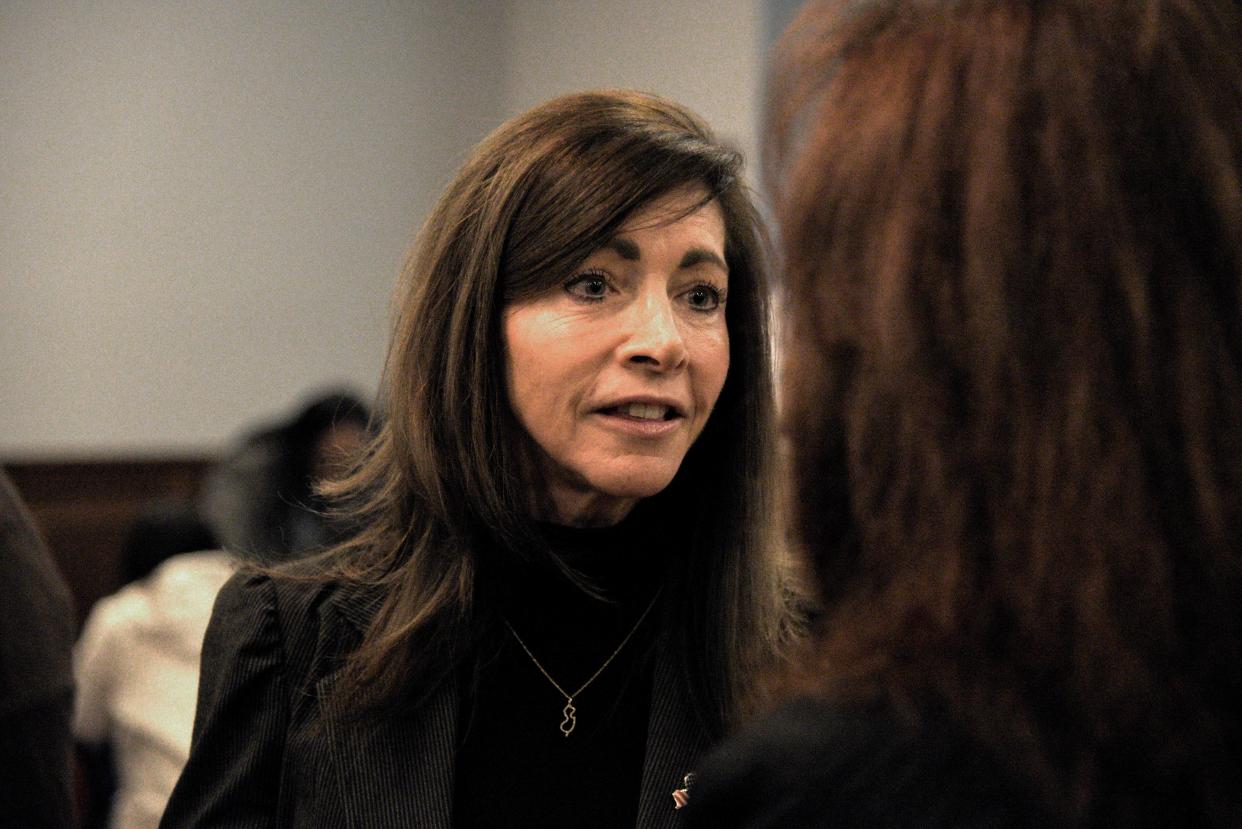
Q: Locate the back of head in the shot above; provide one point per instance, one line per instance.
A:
(306, 439)
(324, 411)
(1013, 233)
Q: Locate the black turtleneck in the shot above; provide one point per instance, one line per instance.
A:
(514, 766)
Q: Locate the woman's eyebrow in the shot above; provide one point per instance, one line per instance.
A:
(629, 250)
(696, 256)
(625, 248)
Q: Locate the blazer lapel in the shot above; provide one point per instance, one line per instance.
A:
(676, 740)
(397, 771)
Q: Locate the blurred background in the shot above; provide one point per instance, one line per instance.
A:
(204, 206)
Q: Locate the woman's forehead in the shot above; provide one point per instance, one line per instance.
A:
(667, 208)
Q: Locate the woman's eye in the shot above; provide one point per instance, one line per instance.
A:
(592, 286)
(703, 298)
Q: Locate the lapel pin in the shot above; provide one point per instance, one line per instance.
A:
(682, 796)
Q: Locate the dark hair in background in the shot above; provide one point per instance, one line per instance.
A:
(447, 482)
(164, 529)
(1013, 233)
(298, 443)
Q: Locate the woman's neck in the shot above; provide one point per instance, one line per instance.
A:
(619, 563)
(584, 507)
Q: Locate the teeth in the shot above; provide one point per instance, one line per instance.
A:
(645, 411)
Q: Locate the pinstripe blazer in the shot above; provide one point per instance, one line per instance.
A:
(269, 749)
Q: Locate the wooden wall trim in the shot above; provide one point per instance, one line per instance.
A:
(85, 508)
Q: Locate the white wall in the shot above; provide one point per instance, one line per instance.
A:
(707, 54)
(203, 205)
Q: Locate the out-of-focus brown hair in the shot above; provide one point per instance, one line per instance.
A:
(446, 482)
(1012, 233)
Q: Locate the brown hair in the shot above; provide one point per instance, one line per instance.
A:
(1013, 233)
(445, 481)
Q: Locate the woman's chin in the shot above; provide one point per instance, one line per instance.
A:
(635, 484)
(608, 498)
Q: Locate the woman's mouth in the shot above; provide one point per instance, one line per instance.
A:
(642, 411)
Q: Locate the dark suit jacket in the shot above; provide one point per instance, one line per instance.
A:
(270, 749)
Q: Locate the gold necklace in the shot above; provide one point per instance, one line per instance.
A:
(569, 711)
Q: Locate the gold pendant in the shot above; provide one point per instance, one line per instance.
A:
(567, 724)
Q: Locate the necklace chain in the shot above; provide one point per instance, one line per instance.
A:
(569, 711)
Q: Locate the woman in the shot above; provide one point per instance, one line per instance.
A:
(563, 585)
(1013, 234)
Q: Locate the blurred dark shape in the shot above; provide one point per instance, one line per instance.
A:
(36, 685)
(262, 499)
(164, 529)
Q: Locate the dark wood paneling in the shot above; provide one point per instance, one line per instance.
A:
(85, 509)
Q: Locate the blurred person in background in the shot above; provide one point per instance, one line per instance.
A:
(36, 683)
(136, 665)
(1013, 241)
(261, 500)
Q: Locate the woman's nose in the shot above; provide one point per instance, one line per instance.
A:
(655, 340)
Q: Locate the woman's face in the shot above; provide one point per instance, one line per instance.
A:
(615, 372)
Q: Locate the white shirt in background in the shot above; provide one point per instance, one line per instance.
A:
(136, 666)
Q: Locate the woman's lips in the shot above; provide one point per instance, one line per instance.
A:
(642, 411)
(641, 419)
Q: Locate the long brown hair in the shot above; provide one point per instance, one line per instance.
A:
(1013, 243)
(444, 483)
